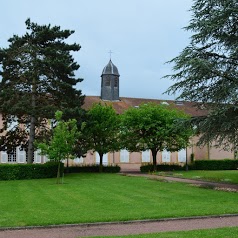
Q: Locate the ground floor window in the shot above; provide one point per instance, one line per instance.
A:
(124, 156)
(165, 156)
(146, 156)
(104, 159)
(12, 156)
(182, 156)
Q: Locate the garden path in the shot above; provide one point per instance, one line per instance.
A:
(122, 228)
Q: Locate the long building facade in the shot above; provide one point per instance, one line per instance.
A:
(125, 159)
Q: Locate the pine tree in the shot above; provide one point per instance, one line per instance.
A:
(37, 79)
(206, 71)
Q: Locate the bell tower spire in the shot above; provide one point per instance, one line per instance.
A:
(110, 82)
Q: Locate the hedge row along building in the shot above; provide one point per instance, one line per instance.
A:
(125, 159)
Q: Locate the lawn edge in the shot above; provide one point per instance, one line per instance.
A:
(116, 222)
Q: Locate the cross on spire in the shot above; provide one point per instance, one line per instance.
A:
(110, 52)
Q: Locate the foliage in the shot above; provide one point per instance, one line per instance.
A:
(93, 169)
(95, 197)
(29, 171)
(63, 142)
(161, 167)
(101, 130)
(206, 70)
(154, 127)
(37, 79)
(215, 164)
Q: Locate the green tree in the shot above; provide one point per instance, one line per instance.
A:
(101, 130)
(206, 70)
(154, 127)
(63, 142)
(37, 79)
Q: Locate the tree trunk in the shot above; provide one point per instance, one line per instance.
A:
(100, 163)
(154, 153)
(58, 174)
(30, 152)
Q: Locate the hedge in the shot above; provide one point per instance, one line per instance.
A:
(161, 167)
(29, 171)
(225, 164)
(92, 169)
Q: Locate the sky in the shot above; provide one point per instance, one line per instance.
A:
(142, 34)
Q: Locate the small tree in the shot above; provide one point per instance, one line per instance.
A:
(154, 127)
(101, 130)
(63, 142)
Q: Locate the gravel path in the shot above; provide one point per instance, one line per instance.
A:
(137, 227)
(225, 186)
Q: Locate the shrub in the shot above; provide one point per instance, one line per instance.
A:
(93, 169)
(29, 171)
(225, 164)
(161, 167)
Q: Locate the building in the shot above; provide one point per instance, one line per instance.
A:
(125, 159)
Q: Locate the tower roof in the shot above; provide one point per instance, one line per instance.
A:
(110, 68)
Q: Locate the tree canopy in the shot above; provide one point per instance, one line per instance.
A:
(38, 78)
(206, 71)
(154, 127)
(101, 130)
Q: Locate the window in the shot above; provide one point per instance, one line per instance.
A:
(12, 156)
(124, 156)
(146, 156)
(116, 82)
(165, 156)
(182, 155)
(107, 81)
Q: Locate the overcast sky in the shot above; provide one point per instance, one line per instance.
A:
(142, 34)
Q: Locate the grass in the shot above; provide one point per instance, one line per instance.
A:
(105, 197)
(218, 233)
(225, 176)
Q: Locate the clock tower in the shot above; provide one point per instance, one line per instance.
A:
(110, 82)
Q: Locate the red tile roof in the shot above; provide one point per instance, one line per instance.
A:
(125, 103)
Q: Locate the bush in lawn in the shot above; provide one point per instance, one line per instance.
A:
(93, 169)
(161, 167)
(29, 171)
(225, 164)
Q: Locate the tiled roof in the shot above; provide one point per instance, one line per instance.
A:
(124, 103)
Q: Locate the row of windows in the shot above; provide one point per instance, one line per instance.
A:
(20, 156)
(125, 156)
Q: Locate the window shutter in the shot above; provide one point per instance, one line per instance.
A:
(4, 157)
(21, 155)
(37, 157)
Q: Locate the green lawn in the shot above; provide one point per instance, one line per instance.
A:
(227, 176)
(105, 197)
(217, 233)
